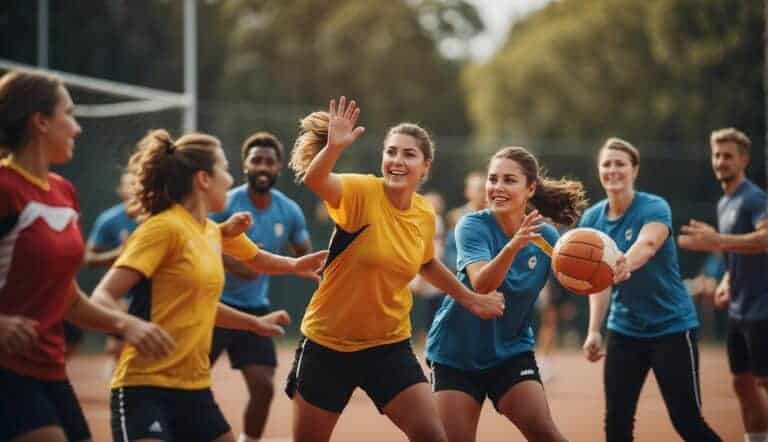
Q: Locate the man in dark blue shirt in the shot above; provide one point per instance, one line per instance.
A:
(741, 213)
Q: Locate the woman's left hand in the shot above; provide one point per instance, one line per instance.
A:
(528, 230)
(236, 224)
(621, 271)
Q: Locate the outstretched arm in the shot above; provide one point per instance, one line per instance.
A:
(700, 236)
(486, 306)
(341, 134)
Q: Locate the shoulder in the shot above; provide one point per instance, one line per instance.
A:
(60, 182)
(593, 212)
(421, 205)
(475, 222)
(549, 233)
(237, 193)
(755, 193)
(358, 179)
(649, 200)
(283, 200)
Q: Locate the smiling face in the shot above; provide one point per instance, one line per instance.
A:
(261, 167)
(728, 161)
(58, 131)
(617, 174)
(507, 188)
(403, 165)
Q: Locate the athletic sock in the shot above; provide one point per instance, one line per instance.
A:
(245, 438)
(756, 437)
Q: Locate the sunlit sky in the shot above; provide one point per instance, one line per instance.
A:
(498, 16)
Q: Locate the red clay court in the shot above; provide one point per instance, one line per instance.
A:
(575, 396)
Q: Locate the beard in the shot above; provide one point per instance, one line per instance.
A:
(725, 176)
(259, 186)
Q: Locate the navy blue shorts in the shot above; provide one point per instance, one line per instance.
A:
(243, 347)
(491, 382)
(29, 404)
(748, 347)
(167, 414)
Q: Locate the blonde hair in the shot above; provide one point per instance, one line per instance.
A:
(561, 200)
(163, 168)
(733, 135)
(313, 135)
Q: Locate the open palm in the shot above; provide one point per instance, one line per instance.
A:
(341, 125)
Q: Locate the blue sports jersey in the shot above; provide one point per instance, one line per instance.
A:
(739, 213)
(273, 228)
(460, 339)
(653, 301)
(111, 229)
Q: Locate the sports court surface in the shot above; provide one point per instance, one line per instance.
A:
(575, 396)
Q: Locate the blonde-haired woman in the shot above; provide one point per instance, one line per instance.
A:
(357, 328)
(173, 263)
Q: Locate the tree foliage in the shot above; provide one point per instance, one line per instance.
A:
(664, 70)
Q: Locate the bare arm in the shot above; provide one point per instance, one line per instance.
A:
(700, 236)
(598, 306)
(649, 241)
(341, 134)
(147, 337)
(267, 325)
(484, 306)
(95, 257)
(265, 262)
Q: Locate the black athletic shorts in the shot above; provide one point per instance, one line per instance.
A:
(748, 347)
(28, 404)
(326, 378)
(491, 382)
(244, 348)
(167, 414)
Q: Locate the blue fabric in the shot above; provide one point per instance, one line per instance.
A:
(653, 301)
(460, 339)
(111, 229)
(739, 213)
(280, 224)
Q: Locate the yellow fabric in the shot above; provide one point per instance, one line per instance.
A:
(363, 299)
(542, 244)
(11, 164)
(182, 260)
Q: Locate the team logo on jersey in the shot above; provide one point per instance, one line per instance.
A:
(532, 262)
(279, 229)
(628, 234)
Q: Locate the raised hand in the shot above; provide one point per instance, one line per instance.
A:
(527, 231)
(236, 224)
(271, 324)
(593, 347)
(150, 339)
(341, 125)
(17, 333)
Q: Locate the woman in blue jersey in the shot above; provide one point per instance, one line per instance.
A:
(652, 321)
(504, 248)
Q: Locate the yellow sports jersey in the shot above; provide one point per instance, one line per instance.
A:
(181, 261)
(363, 299)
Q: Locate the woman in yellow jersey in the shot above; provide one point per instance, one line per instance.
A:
(357, 325)
(173, 262)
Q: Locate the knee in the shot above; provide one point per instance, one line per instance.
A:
(261, 386)
(429, 431)
(745, 385)
(762, 382)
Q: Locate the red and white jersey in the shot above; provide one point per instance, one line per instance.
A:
(41, 249)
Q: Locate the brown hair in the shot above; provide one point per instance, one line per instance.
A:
(262, 139)
(21, 95)
(733, 135)
(313, 136)
(615, 143)
(561, 200)
(164, 168)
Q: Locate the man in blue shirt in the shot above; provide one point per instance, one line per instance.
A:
(741, 215)
(278, 223)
